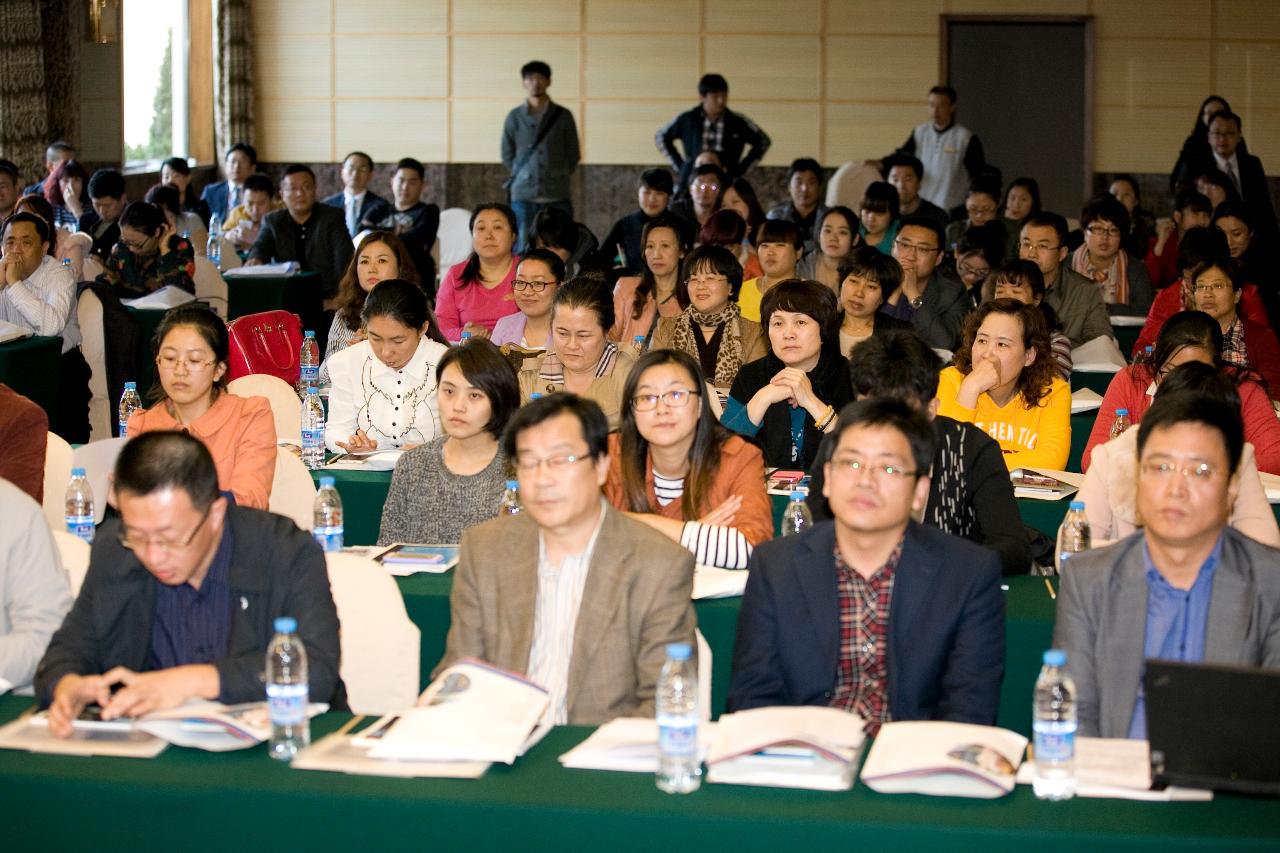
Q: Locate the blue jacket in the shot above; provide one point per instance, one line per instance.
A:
(946, 627)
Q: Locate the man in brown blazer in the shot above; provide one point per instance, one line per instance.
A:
(571, 593)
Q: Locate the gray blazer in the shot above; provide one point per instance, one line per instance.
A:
(1102, 620)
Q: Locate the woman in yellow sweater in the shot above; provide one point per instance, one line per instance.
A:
(1004, 381)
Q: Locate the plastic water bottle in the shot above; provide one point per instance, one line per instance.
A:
(796, 518)
(309, 363)
(326, 523)
(464, 337)
(312, 429)
(79, 512)
(510, 503)
(1054, 727)
(1073, 536)
(288, 692)
(637, 344)
(679, 770)
(130, 402)
(66, 266)
(213, 248)
(1121, 423)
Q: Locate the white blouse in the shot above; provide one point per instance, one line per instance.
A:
(393, 407)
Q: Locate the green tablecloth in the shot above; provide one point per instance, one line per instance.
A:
(1088, 379)
(31, 367)
(197, 801)
(363, 493)
(1126, 337)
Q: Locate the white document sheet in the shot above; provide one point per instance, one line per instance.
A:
(712, 582)
(628, 744)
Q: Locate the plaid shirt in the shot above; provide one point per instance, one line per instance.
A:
(713, 134)
(862, 677)
(1233, 348)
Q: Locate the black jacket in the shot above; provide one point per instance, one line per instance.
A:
(970, 494)
(104, 242)
(740, 133)
(276, 570)
(328, 245)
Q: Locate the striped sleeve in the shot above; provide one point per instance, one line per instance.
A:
(714, 545)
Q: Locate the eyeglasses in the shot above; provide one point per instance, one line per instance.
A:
(975, 272)
(907, 248)
(1164, 471)
(1229, 134)
(1039, 247)
(553, 463)
(134, 246)
(1103, 231)
(879, 472)
(535, 286)
(171, 362)
(984, 210)
(709, 280)
(676, 398)
(706, 187)
(1215, 289)
(134, 542)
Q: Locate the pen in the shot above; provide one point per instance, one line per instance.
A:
(1048, 584)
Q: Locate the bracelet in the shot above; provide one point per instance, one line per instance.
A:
(823, 422)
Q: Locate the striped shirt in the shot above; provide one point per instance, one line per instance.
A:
(711, 544)
(194, 625)
(555, 620)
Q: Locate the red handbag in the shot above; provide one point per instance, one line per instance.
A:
(269, 342)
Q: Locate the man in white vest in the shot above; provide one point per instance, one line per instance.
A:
(951, 153)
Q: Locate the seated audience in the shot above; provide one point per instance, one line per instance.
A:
(1142, 223)
(582, 359)
(191, 352)
(189, 585)
(1021, 200)
(639, 301)
(1215, 290)
(625, 240)
(804, 189)
(674, 467)
(1109, 490)
(879, 216)
(475, 293)
(933, 304)
(1120, 278)
(982, 206)
(456, 479)
(384, 387)
(186, 225)
(24, 433)
(149, 255)
(905, 172)
(66, 189)
(57, 151)
(244, 223)
(867, 277)
(703, 198)
(1188, 336)
(740, 197)
(107, 196)
(555, 230)
(1237, 225)
(67, 245)
(790, 397)
(1190, 210)
(357, 202)
(538, 277)
(1075, 300)
(724, 228)
(570, 593)
(979, 250)
(1187, 587)
(710, 326)
(1004, 380)
(312, 235)
(1214, 185)
(411, 219)
(779, 247)
(176, 172)
(849, 582)
(1022, 281)
(223, 197)
(34, 593)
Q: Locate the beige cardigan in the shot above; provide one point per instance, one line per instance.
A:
(604, 390)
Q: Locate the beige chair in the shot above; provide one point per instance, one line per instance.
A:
(57, 473)
(230, 259)
(74, 553)
(380, 645)
(98, 459)
(293, 491)
(286, 408)
(94, 349)
(454, 235)
(93, 268)
(849, 184)
(210, 286)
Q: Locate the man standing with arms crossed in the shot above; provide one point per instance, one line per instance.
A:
(540, 149)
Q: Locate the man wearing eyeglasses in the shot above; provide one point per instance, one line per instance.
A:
(874, 612)
(356, 201)
(570, 592)
(933, 304)
(1075, 300)
(181, 594)
(1186, 587)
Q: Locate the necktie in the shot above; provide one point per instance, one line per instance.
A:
(1235, 178)
(235, 199)
(352, 204)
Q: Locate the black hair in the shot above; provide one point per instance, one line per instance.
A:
(648, 287)
(1132, 182)
(1208, 405)
(143, 216)
(1107, 208)
(412, 165)
(404, 302)
(484, 367)
(366, 157)
(106, 183)
(1031, 185)
(870, 263)
(595, 427)
(802, 296)
(554, 265)
(779, 231)
(248, 150)
(910, 161)
(989, 239)
(554, 229)
(1231, 268)
(1235, 209)
(927, 222)
(1201, 126)
(895, 363)
(985, 184)
(881, 197)
(9, 168)
(42, 225)
(723, 228)
(712, 83)
(659, 180)
(177, 164)
(1201, 246)
(298, 169)
(589, 290)
(155, 461)
(1048, 219)
(537, 66)
(1017, 271)
(755, 211)
(209, 326)
(61, 146)
(944, 90)
(1182, 330)
(39, 205)
(260, 183)
(850, 218)
(710, 169)
(1227, 115)
(471, 270)
(1194, 199)
(805, 164)
(165, 197)
(896, 414)
(709, 256)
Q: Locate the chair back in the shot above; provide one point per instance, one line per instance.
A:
(210, 286)
(286, 408)
(74, 553)
(293, 491)
(98, 459)
(93, 346)
(230, 259)
(849, 184)
(380, 645)
(57, 473)
(454, 235)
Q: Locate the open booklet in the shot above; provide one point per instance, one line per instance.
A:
(1044, 484)
(403, 558)
(12, 332)
(376, 460)
(1116, 768)
(629, 744)
(787, 747)
(943, 759)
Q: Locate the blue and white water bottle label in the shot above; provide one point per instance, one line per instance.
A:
(287, 704)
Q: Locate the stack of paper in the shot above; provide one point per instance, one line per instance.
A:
(1044, 484)
(782, 482)
(1100, 355)
(1085, 400)
(943, 759)
(629, 744)
(1116, 768)
(263, 270)
(793, 747)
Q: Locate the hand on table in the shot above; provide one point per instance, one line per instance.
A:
(144, 692)
(359, 443)
(70, 696)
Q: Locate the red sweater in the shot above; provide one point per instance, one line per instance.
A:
(1169, 302)
(1128, 390)
(1163, 269)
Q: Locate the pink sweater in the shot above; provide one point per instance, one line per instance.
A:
(456, 306)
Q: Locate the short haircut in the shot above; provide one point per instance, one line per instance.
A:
(658, 180)
(1230, 267)
(896, 414)
(177, 164)
(1018, 271)
(1201, 246)
(484, 366)
(9, 168)
(590, 291)
(165, 197)
(298, 169)
(909, 161)
(1228, 116)
(536, 66)
(595, 427)
(801, 296)
(881, 197)
(402, 301)
(1186, 407)
(779, 231)
(106, 183)
(709, 257)
(896, 363)
(712, 83)
(366, 157)
(988, 185)
(143, 216)
(989, 239)
(1105, 208)
(554, 229)
(926, 222)
(710, 169)
(1193, 199)
(805, 164)
(945, 90)
(245, 148)
(61, 146)
(156, 461)
(413, 166)
(260, 183)
(555, 266)
(1048, 219)
(42, 225)
(870, 263)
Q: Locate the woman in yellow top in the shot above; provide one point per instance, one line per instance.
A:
(1004, 381)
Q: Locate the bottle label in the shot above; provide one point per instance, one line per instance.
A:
(81, 526)
(330, 538)
(678, 735)
(287, 704)
(313, 437)
(310, 372)
(1055, 741)
(124, 427)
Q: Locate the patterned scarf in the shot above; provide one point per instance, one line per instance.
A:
(1114, 291)
(729, 357)
(551, 373)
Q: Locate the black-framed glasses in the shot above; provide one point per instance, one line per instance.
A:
(676, 398)
(535, 286)
(134, 542)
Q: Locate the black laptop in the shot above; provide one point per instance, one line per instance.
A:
(1214, 726)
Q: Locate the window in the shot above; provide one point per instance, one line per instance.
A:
(154, 47)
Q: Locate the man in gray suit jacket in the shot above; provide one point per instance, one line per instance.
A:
(1186, 587)
(573, 594)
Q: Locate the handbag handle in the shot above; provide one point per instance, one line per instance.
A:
(261, 331)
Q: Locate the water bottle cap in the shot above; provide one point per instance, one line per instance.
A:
(511, 484)
(311, 389)
(1122, 413)
(285, 624)
(131, 386)
(308, 334)
(535, 396)
(797, 495)
(1077, 505)
(326, 481)
(678, 651)
(638, 339)
(77, 472)
(1055, 657)
(66, 262)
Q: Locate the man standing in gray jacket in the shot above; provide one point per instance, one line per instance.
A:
(540, 149)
